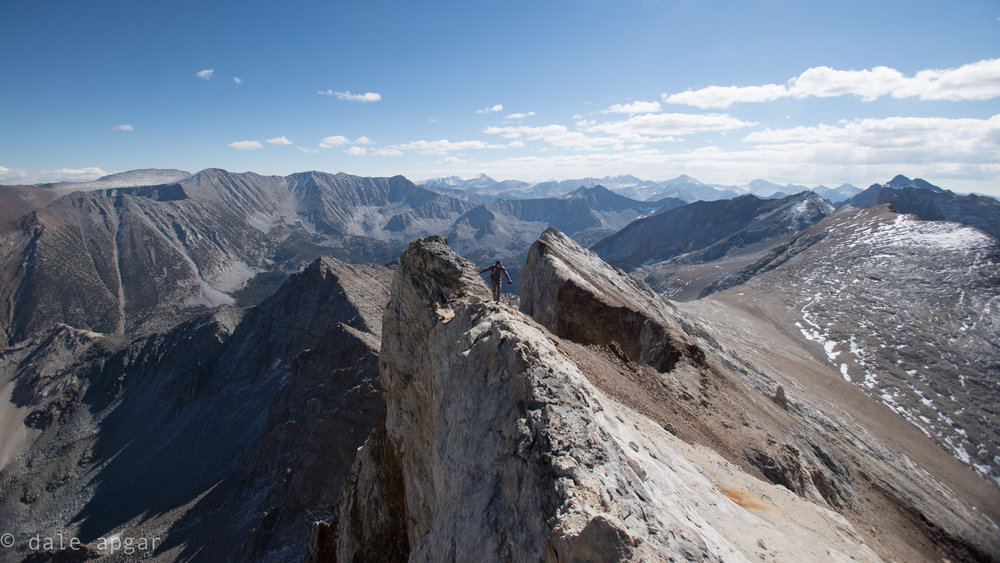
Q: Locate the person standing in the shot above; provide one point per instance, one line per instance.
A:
(497, 271)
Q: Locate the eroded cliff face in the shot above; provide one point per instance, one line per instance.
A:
(495, 445)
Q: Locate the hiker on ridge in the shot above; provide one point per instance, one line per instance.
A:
(497, 271)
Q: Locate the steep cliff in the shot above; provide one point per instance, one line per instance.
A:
(495, 445)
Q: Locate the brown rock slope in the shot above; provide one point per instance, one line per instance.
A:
(496, 445)
(744, 400)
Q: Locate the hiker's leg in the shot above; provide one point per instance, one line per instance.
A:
(496, 290)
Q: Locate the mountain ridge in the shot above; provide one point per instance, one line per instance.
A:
(439, 500)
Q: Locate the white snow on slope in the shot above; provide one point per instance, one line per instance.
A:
(891, 291)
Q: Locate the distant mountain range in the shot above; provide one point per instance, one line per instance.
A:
(706, 230)
(144, 249)
(686, 188)
(120, 259)
(931, 203)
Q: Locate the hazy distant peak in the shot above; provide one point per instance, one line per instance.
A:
(900, 182)
(130, 179)
(683, 179)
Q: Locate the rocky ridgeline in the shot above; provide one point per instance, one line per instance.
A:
(608, 427)
(496, 446)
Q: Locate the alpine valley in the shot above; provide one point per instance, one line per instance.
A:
(235, 367)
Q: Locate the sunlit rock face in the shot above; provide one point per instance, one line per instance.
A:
(496, 446)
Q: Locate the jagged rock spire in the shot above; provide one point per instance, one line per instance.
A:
(495, 446)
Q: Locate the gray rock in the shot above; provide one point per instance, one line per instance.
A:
(506, 451)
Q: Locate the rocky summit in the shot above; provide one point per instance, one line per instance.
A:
(599, 423)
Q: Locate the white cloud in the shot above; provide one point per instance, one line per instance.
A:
(553, 134)
(635, 107)
(334, 141)
(237, 80)
(123, 127)
(975, 81)
(897, 139)
(356, 151)
(10, 176)
(669, 124)
(520, 115)
(388, 151)
(492, 109)
(862, 151)
(615, 135)
(444, 146)
(723, 96)
(246, 145)
(325, 92)
(958, 154)
(206, 74)
(362, 140)
(282, 140)
(349, 97)
(307, 150)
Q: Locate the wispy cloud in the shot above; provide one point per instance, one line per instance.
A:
(282, 140)
(237, 80)
(492, 109)
(308, 150)
(553, 134)
(619, 134)
(347, 96)
(444, 146)
(975, 81)
(246, 145)
(356, 151)
(899, 138)
(23, 176)
(670, 124)
(520, 115)
(635, 107)
(957, 151)
(123, 127)
(362, 140)
(205, 74)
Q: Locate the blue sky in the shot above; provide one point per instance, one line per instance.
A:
(805, 92)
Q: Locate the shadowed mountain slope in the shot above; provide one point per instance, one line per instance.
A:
(931, 203)
(704, 231)
(222, 438)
